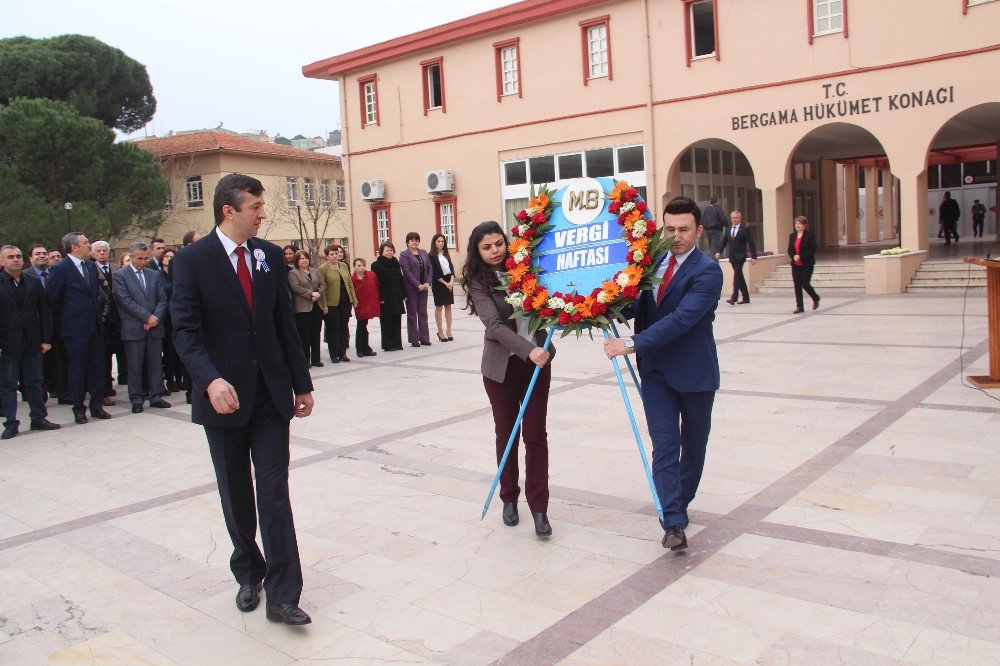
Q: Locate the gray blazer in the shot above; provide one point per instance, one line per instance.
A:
(501, 338)
(135, 305)
(303, 284)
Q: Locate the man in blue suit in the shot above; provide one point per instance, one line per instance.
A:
(678, 364)
(235, 333)
(78, 310)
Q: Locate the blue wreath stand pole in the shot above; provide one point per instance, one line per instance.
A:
(628, 362)
(635, 429)
(517, 425)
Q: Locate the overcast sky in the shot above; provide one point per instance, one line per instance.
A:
(236, 62)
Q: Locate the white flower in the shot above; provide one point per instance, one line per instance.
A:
(520, 255)
(622, 280)
(602, 297)
(637, 255)
(556, 303)
(639, 228)
(628, 206)
(521, 228)
(570, 309)
(516, 299)
(532, 211)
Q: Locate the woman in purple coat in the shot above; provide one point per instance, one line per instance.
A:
(416, 265)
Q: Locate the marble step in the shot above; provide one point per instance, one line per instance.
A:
(767, 289)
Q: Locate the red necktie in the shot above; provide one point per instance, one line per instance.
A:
(671, 265)
(243, 275)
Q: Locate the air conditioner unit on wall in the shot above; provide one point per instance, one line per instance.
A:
(373, 189)
(440, 181)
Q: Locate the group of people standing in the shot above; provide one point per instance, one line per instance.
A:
(324, 296)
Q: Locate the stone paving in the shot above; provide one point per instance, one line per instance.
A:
(848, 514)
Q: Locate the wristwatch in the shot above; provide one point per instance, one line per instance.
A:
(629, 345)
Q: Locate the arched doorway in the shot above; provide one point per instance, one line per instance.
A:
(842, 183)
(717, 168)
(962, 160)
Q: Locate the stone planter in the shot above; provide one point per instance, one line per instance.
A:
(754, 274)
(891, 274)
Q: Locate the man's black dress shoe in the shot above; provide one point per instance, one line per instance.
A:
(44, 424)
(510, 517)
(414, 344)
(371, 353)
(542, 527)
(798, 311)
(335, 360)
(318, 364)
(80, 418)
(248, 597)
(288, 613)
(160, 404)
(137, 409)
(345, 359)
(9, 432)
(100, 414)
(425, 343)
(674, 539)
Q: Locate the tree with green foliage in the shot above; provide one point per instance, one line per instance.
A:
(50, 155)
(100, 81)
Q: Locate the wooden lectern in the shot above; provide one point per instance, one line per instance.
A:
(993, 323)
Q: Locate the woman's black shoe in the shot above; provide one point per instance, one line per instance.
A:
(414, 344)
(542, 527)
(798, 311)
(426, 343)
(335, 360)
(450, 338)
(815, 304)
(441, 338)
(510, 517)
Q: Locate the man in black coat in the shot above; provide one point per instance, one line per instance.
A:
(713, 220)
(25, 334)
(949, 214)
(235, 332)
(738, 238)
(101, 254)
(78, 312)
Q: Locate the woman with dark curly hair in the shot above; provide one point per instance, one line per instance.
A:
(510, 354)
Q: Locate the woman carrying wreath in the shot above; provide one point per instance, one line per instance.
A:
(510, 353)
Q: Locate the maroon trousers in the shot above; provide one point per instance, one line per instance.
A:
(505, 399)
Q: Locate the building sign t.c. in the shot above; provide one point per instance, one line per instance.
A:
(838, 104)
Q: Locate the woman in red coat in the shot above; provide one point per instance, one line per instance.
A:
(366, 289)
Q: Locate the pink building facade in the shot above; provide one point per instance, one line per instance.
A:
(853, 113)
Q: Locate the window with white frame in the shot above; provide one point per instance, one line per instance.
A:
(324, 192)
(341, 195)
(828, 16)
(970, 3)
(369, 93)
(381, 225)
(292, 189)
(308, 190)
(446, 222)
(508, 69)
(702, 17)
(597, 50)
(195, 199)
(434, 86)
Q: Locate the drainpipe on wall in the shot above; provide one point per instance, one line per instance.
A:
(345, 161)
(650, 151)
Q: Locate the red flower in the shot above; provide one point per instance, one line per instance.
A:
(546, 312)
(523, 216)
(631, 291)
(599, 308)
(527, 235)
(646, 260)
(631, 193)
(650, 227)
(510, 263)
(614, 207)
(563, 318)
(622, 218)
(526, 306)
(577, 317)
(538, 218)
(641, 206)
(579, 299)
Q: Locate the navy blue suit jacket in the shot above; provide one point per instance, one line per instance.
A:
(216, 336)
(676, 336)
(76, 304)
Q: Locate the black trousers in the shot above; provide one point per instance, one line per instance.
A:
(801, 278)
(264, 442)
(85, 371)
(361, 345)
(739, 282)
(309, 325)
(505, 399)
(977, 227)
(338, 337)
(54, 369)
(392, 331)
(950, 229)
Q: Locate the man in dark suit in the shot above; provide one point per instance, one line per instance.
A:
(54, 362)
(738, 238)
(157, 248)
(101, 255)
(235, 333)
(74, 295)
(713, 220)
(678, 364)
(142, 301)
(25, 334)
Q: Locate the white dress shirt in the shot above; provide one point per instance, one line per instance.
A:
(229, 245)
(79, 265)
(662, 269)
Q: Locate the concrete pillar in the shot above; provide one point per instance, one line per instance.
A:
(889, 203)
(851, 203)
(871, 205)
(779, 214)
(827, 228)
(913, 211)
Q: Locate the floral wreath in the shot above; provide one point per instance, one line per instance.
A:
(573, 311)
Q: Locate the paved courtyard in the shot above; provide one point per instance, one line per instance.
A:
(850, 512)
